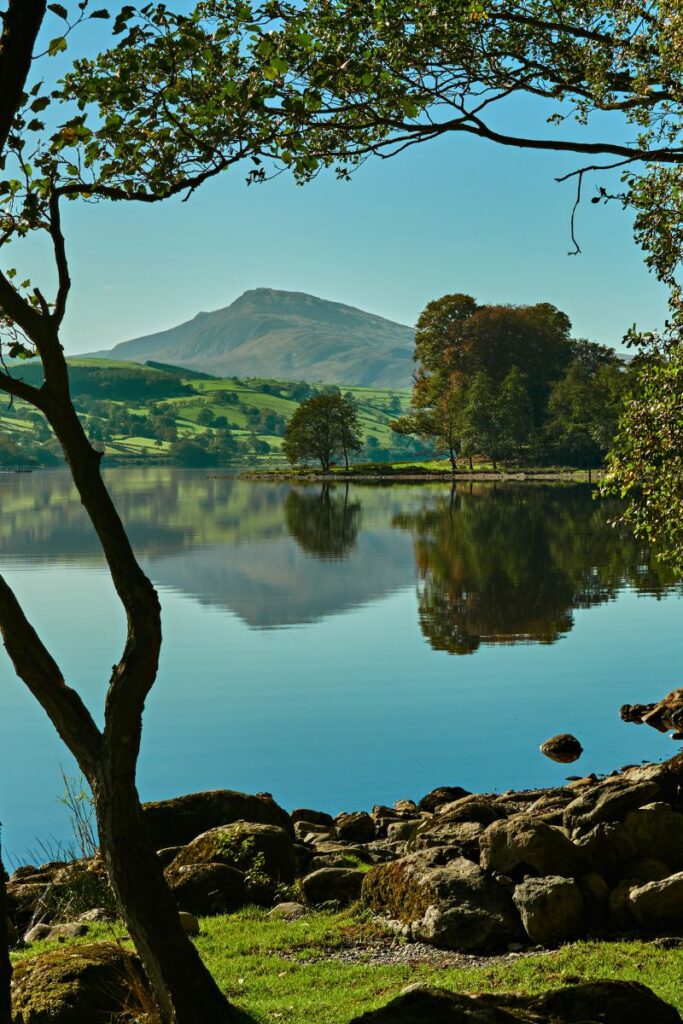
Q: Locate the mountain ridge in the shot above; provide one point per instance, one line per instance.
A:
(267, 332)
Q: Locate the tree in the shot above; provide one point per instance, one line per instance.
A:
(646, 462)
(323, 426)
(325, 525)
(479, 418)
(584, 409)
(515, 414)
(117, 137)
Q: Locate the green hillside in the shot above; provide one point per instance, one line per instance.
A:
(159, 413)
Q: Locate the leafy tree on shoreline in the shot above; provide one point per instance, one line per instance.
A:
(322, 427)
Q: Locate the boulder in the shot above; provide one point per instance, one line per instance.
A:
(315, 817)
(446, 902)
(355, 828)
(87, 984)
(463, 836)
(206, 889)
(563, 748)
(288, 911)
(658, 906)
(520, 846)
(180, 820)
(657, 832)
(610, 1002)
(305, 831)
(332, 885)
(56, 932)
(610, 846)
(609, 801)
(470, 808)
(240, 845)
(551, 908)
(442, 795)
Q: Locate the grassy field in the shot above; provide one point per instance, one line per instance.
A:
(315, 970)
(120, 404)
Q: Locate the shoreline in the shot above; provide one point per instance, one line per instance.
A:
(274, 476)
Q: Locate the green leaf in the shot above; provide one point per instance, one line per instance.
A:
(101, 13)
(60, 11)
(56, 45)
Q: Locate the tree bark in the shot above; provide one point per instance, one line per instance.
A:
(185, 991)
(5, 963)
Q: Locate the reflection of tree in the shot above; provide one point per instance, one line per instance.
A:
(509, 565)
(324, 524)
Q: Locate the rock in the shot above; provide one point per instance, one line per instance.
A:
(239, 845)
(551, 909)
(56, 932)
(168, 854)
(658, 906)
(563, 748)
(315, 817)
(189, 922)
(462, 835)
(86, 984)
(657, 832)
(355, 828)
(442, 795)
(206, 889)
(180, 820)
(96, 914)
(399, 831)
(406, 807)
(306, 831)
(332, 885)
(645, 869)
(447, 903)
(665, 715)
(520, 846)
(620, 918)
(610, 801)
(610, 846)
(288, 911)
(610, 1002)
(470, 808)
(595, 893)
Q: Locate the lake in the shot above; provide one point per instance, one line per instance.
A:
(341, 647)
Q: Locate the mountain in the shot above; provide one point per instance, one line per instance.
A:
(288, 335)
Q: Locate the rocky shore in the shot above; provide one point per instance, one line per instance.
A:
(470, 873)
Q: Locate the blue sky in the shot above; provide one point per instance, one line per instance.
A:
(454, 215)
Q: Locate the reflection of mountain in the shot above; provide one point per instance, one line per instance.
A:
(496, 564)
(509, 565)
(275, 584)
(223, 542)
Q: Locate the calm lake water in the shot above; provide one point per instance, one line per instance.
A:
(342, 647)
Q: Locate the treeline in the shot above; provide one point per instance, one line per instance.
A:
(509, 383)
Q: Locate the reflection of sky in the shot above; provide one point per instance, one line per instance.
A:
(349, 711)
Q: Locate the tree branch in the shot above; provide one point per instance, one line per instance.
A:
(63, 279)
(37, 668)
(22, 23)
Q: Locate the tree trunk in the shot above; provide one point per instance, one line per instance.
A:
(451, 455)
(5, 964)
(471, 466)
(186, 991)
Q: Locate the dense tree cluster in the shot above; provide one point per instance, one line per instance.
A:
(508, 382)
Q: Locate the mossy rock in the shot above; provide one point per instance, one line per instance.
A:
(610, 1002)
(245, 846)
(180, 820)
(88, 984)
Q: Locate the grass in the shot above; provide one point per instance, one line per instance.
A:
(286, 971)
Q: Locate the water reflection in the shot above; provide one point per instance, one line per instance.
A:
(323, 523)
(506, 565)
(495, 564)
